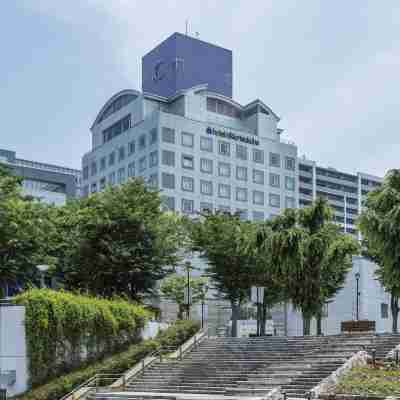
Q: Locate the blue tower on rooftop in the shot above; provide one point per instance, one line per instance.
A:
(181, 62)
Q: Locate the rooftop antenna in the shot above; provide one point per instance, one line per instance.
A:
(187, 27)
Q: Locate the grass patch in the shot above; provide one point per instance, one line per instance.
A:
(380, 381)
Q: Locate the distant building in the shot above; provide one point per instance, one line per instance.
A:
(49, 183)
(345, 192)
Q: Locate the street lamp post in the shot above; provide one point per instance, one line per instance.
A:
(202, 306)
(42, 270)
(357, 296)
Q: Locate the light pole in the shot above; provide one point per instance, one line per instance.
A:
(42, 270)
(357, 296)
(204, 294)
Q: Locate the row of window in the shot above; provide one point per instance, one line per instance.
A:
(224, 191)
(117, 128)
(168, 135)
(32, 184)
(116, 105)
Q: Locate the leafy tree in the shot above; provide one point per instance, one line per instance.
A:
(311, 257)
(222, 239)
(175, 286)
(120, 242)
(379, 224)
(24, 228)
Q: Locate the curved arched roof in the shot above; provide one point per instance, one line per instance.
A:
(123, 93)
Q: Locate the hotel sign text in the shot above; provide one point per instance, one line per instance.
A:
(230, 135)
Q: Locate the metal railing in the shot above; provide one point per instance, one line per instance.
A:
(118, 382)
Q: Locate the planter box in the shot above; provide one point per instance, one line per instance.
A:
(358, 326)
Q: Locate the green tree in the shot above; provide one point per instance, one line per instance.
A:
(24, 229)
(379, 224)
(174, 288)
(222, 240)
(120, 242)
(311, 257)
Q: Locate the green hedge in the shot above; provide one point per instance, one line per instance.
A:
(116, 364)
(61, 326)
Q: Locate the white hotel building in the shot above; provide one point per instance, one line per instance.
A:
(186, 135)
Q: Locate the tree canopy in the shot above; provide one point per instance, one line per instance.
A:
(379, 224)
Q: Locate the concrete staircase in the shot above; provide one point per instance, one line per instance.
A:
(253, 366)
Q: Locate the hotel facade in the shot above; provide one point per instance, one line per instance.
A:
(186, 135)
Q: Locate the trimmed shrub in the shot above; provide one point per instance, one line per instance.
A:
(65, 330)
(116, 364)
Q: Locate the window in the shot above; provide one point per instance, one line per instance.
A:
(274, 180)
(243, 214)
(153, 136)
(168, 203)
(121, 175)
(187, 184)
(93, 187)
(187, 206)
(142, 142)
(116, 129)
(85, 173)
(258, 216)
(274, 160)
(103, 163)
(168, 135)
(241, 194)
(258, 197)
(241, 173)
(384, 311)
(206, 165)
(274, 200)
(187, 161)
(222, 107)
(206, 207)
(258, 176)
(111, 158)
(206, 144)
(224, 148)
(153, 180)
(289, 202)
(102, 183)
(224, 191)
(168, 158)
(206, 187)
(117, 104)
(131, 169)
(168, 181)
(187, 139)
(93, 168)
(258, 156)
(111, 178)
(142, 164)
(121, 154)
(224, 169)
(289, 183)
(241, 152)
(290, 163)
(131, 148)
(153, 159)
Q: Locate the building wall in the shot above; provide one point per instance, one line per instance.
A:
(50, 183)
(13, 352)
(343, 307)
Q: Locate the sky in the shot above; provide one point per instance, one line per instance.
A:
(329, 69)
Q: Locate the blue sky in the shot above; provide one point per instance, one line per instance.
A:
(329, 69)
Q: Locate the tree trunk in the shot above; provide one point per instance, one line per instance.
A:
(319, 324)
(181, 309)
(394, 306)
(263, 319)
(306, 325)
(235, 317)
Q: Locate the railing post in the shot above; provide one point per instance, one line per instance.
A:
(160, 356)
(373, 357)
(180, 353)
(124, 381)
(143, 367)
(96, 384)
(397, 356)
(195, 341)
